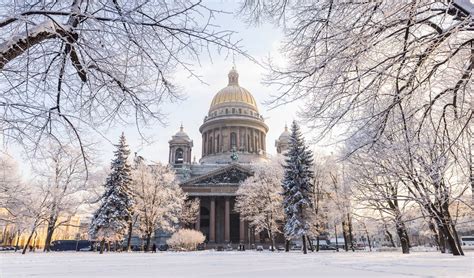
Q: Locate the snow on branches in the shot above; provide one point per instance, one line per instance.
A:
(259, 198)
(159, 201)
(71, 66)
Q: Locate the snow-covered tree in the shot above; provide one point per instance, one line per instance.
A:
(340, 202)
(112, 218)
(321, 201)
(397, 72)
(159, 200)
(190, 212)
(11, 188)
(63, 181)
(93, 63)
(34, 211)
(297, 184)
(366, 227)
(376, 188)
(425, 169)
(354, 63)
(259, 199)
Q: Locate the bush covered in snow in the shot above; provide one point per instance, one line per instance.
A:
(186, 239)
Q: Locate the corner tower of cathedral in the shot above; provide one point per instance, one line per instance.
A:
(233, 124)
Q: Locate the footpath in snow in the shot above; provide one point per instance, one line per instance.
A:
(235, 264)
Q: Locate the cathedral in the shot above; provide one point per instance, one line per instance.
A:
(233, 137)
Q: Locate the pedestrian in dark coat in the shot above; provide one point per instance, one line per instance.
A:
(153, 248)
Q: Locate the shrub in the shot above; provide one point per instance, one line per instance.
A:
(186, 239)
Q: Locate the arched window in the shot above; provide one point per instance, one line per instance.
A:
(233, 110)
(227, 111)
(179, 156)
(233, 140)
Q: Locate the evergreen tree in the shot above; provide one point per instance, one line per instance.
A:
(110, 221)
(297, 183)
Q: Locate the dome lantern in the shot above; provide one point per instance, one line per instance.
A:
(233, 96)
(233, 77)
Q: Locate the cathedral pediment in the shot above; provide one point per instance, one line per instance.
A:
(232, 174)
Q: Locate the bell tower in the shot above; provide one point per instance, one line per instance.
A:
(180, 149)
(283, 142)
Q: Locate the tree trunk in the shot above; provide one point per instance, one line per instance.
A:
(311, 247)
(148, 240)
(390, 238)
(368, 237)
(272, 240)
(5, 235)
(305, 251)
(403, 236)
(102, 246)
(49, 234)
(444, 221)
(454, 245)
(457, 239)
(442, 241)
(317, 243)
(17, 241)
(287, 245)
(335, 234)
(436, 236)
(351, 238)
(129, 239)
(344, 234)
(28, 241)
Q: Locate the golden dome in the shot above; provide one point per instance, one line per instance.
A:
(233, 94)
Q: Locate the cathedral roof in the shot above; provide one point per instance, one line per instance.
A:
(233, 94)
(181, 135)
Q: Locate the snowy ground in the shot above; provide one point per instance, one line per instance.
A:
(236, 264)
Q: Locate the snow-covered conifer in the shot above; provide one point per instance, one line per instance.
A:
(297, 184)
(110, 221)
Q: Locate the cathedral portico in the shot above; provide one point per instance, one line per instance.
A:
(216, 192)
(218, 221)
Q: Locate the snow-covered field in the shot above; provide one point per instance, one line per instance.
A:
(236, 264)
